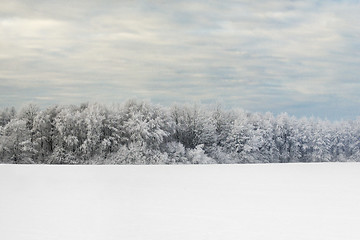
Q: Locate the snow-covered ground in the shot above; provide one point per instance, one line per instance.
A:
(188, 202)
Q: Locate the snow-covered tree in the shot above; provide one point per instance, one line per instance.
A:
(144, 123)
(194, 126)
(16, 145)
(139, 132)
(93, 118)
(45, 134)
(6, 115)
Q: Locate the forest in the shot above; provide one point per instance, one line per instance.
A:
(139, 132)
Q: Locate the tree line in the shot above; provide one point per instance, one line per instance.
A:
(138, 132)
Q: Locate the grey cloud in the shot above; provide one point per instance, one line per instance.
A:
(275, 55)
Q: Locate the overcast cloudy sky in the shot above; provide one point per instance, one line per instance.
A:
(302, 57)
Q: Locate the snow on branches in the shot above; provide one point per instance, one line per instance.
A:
(139, 132)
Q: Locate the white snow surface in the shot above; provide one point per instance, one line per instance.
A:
(187, 202)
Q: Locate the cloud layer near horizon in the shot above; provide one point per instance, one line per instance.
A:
(301, 57)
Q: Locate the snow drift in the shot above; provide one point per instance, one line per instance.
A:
(253, 202)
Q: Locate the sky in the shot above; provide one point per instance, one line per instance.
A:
(299, 57)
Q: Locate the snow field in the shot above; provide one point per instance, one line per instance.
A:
(253, 202)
